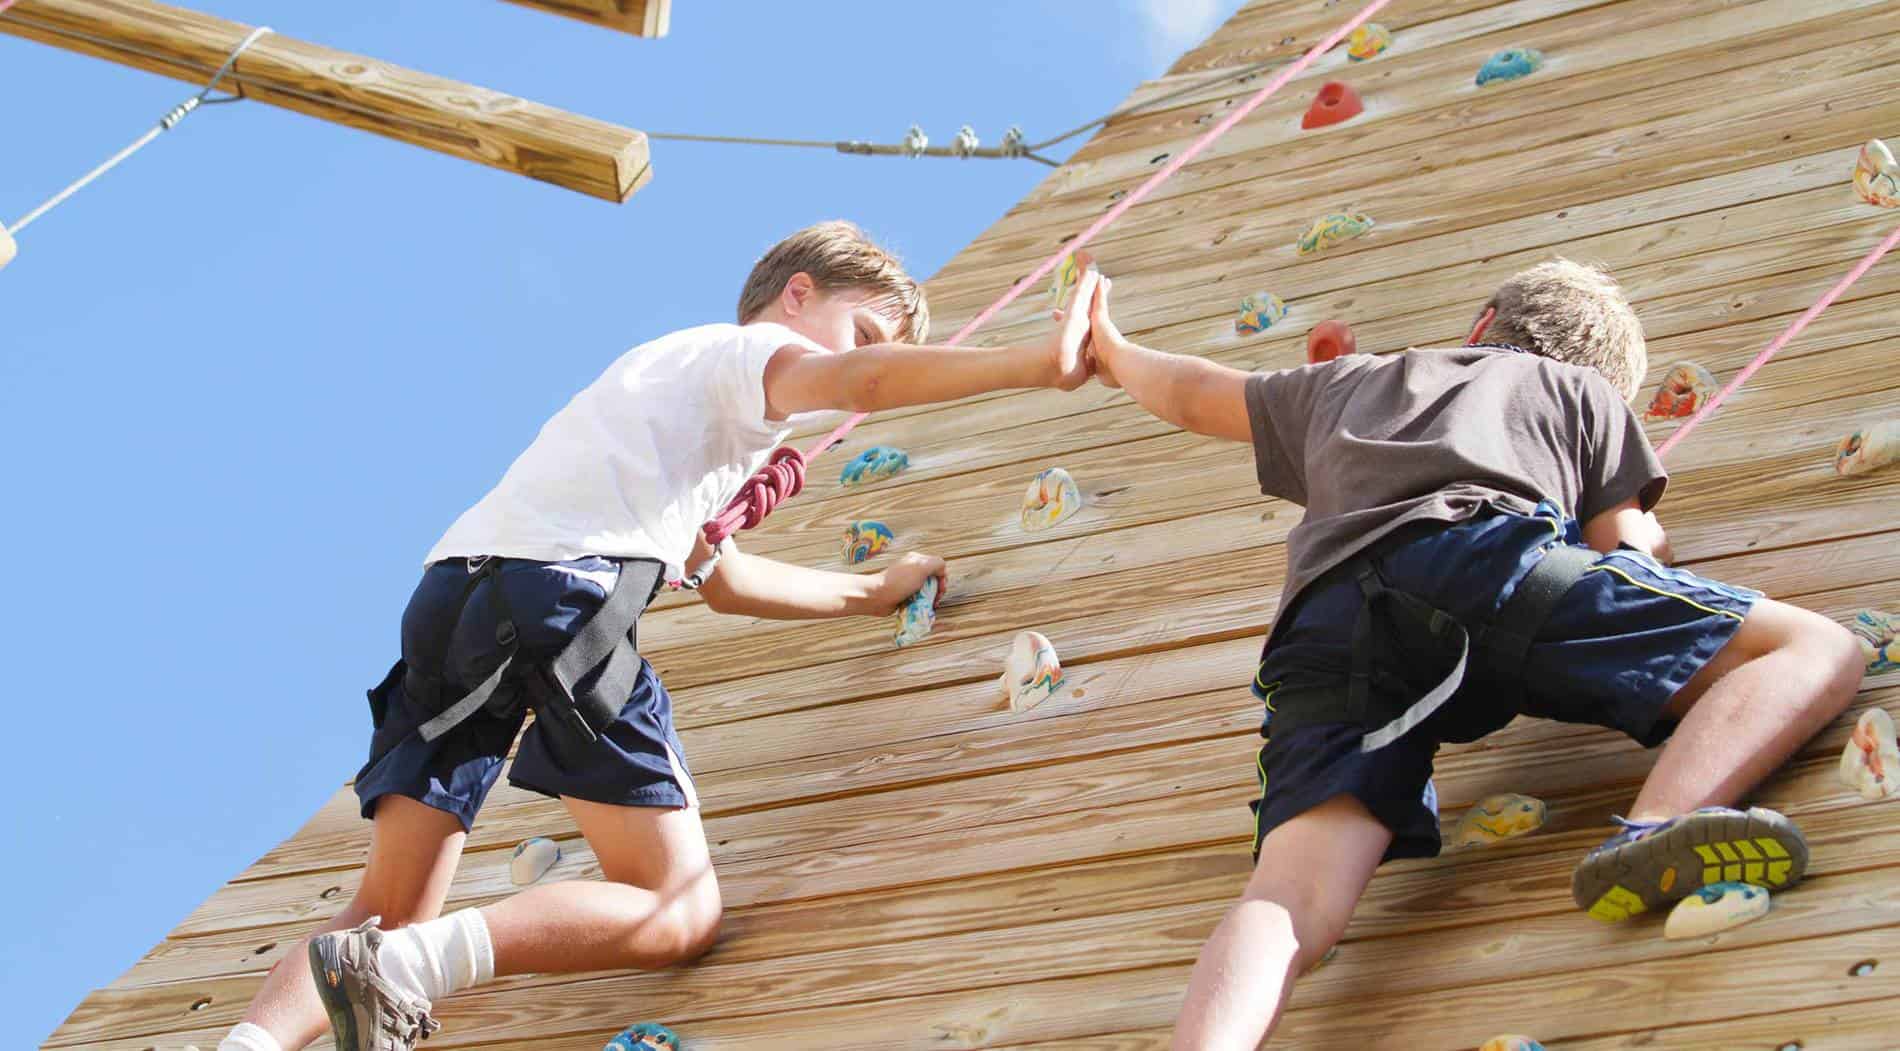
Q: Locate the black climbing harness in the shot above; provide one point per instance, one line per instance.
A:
(1504, 642)
(579, 693)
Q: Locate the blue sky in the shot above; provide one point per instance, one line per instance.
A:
(247, 379)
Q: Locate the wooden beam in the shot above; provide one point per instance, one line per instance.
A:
(580, 153)
(648, 18)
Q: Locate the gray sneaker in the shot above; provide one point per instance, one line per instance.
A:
(367, 1013)
(1651, 864)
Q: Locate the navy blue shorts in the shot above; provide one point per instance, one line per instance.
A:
(1616, 649)
(638, 762)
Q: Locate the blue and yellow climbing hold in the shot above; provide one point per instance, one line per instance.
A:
(862, 540)
(1258, 312)
(917, 616)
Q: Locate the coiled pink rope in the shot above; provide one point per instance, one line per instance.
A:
(737, 514)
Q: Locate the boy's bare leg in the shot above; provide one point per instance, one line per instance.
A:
(658, 906)
(1781, 679)
(1311, 873)
(413, 851)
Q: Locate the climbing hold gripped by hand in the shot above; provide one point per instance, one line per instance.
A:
(916, 617)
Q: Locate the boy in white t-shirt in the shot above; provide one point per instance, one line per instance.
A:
(608, 501)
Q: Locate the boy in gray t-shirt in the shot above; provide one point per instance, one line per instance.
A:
(1478, 543)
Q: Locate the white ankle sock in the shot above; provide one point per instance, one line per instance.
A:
(248, 1036)
(440, 957)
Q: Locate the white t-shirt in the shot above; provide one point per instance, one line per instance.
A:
(638, 461)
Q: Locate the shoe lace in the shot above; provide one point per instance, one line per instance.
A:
(1633, 830)
(412, 1021)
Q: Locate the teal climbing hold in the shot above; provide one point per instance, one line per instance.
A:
(645, 1036)
(873, 465)
(1510, 64)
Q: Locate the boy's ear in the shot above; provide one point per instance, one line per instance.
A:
(797, 294)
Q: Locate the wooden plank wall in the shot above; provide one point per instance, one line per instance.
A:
(908, 865)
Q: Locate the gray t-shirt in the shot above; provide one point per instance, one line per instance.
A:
(1367, 444)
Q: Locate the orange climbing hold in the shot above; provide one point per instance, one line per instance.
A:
(1337, 102)
(1329, 340)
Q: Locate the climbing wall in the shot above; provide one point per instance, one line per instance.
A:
(910, 864)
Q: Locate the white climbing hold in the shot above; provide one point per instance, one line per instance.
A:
(1868, 449)
(916, 617)
(1871, 762)
(1497, 818)
(533, 858)
(1031, 672)
(1511, 1042)
(1877, 175)
(1715, 908)
(1051, 497)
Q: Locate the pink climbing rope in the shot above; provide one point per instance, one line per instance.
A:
(784, 477)
(1793, 330)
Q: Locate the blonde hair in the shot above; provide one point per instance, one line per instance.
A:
(1572, 313)
(838, 255)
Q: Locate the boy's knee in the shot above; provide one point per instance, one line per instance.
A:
(678, 931)
(390, 913)
(1303, 932)
(686, 932)
(1845, 657)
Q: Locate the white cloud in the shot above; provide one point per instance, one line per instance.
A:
(1177, 25)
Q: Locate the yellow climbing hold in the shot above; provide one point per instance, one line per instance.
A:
(1368, 41)
(1496, 818)
(1062, 282)
(1329, 230)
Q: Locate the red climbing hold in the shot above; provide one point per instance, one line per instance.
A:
(1336, 102)
(1329, 340)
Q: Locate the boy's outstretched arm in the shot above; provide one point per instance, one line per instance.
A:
(893, 375)
(753, 586)
(1189, 392)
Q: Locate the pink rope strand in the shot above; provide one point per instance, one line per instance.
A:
(1800, 323)
(729, 519)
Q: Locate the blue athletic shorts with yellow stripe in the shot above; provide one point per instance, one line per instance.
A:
(1617, 647)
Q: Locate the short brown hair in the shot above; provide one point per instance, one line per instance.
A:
(839, 255)
(1572, 313)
